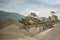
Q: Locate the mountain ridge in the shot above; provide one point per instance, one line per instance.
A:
(16, 16)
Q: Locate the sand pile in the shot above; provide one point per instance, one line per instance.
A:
(9, 21)
(12, 32)
(54, 34)
(40, 35)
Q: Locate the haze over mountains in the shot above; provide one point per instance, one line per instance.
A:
(4, 15)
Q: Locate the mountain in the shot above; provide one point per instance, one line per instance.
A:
(4, 15)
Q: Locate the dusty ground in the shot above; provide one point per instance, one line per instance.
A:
(13, 32)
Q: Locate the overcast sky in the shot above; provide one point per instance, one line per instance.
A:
(24, 7)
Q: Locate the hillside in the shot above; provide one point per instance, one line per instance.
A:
(8, 22)
(15, 16)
